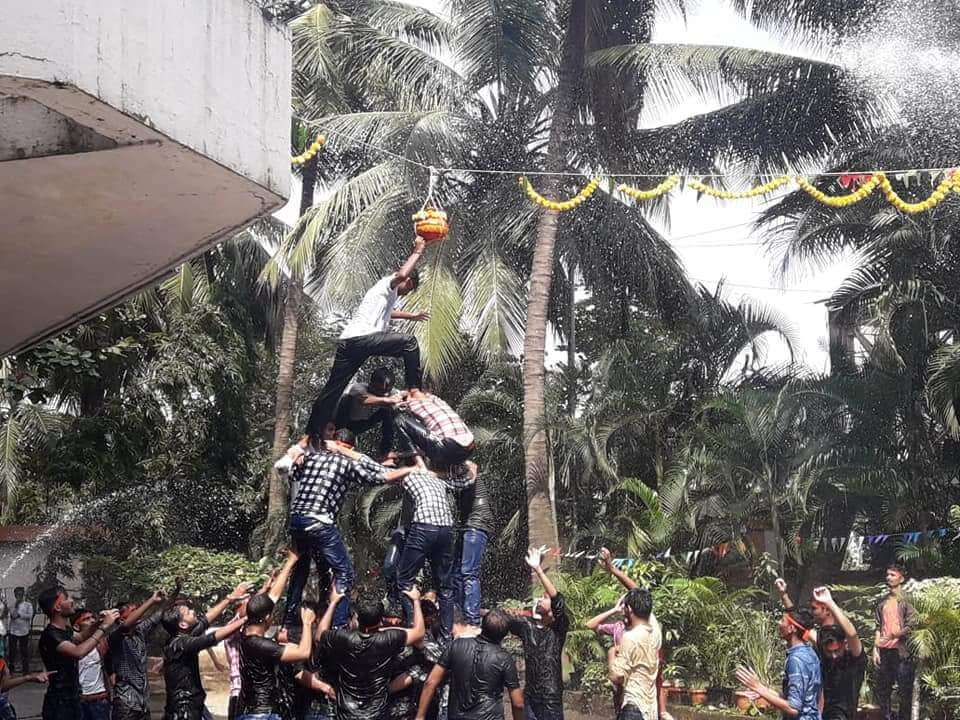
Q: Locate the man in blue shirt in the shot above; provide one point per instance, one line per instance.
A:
(800, 699)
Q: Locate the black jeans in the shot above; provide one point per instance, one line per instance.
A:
(382, 417)
(351, 354)
(19, 646)
(414, 435)
(436, 544)
(899, 671)
(126, 712)
(58, 706)
(630, 712)
(541, 709)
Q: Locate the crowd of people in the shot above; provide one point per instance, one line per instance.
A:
(441, 657)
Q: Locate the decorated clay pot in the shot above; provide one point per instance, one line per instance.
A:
(431, 224)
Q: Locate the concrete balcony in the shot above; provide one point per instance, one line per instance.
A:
(133, 135)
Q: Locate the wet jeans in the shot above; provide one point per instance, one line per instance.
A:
(467, 575)
(537, 709)
(96, 710)
(436, 544)
(323, 545)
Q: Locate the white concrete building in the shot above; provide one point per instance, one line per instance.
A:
(133, 134)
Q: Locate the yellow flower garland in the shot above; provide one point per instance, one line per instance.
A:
(656, 191)
(307, 154)
(559, 206)
(839, 201)
(950, 182)
(767, 187)
(877, 180)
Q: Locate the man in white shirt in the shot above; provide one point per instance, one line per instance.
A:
(368, 335)
(94, 690)
(21, 617)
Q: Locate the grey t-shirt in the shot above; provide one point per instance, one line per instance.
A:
(351, 402)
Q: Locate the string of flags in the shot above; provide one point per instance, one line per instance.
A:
(837, 544)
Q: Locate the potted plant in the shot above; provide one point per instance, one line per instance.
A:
(698, 692)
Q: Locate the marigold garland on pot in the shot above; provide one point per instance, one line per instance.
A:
(563, 205)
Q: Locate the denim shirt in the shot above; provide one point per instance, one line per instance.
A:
(802, 682)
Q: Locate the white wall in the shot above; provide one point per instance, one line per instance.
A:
(213, 75)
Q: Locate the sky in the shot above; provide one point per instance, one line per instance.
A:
(713, 238)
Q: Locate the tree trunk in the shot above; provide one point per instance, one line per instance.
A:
(572, 341)
(277, 494)
(541, 517)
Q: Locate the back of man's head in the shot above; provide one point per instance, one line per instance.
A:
(259, 609)
(47, 600)
(18, 592)
(382, 377)
(640, 603)
(369, 613)
(495, 626)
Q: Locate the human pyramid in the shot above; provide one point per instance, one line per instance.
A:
(443, 659)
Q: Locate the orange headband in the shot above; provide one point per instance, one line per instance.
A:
(805, 633)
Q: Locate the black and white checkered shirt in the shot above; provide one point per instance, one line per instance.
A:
(431, 498)
(128, 655)
(323, 480)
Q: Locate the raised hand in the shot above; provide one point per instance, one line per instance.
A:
(606, 557)
(158, 596)
(419, 245)
(534, 557)
(335, 594)
(781, 585)
(307, 616)
(823, 595)
(413, 593)
(748, 678)
(108, 618)
(240, 591)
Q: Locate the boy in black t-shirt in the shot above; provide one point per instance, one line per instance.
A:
(842, 662)
(188, 638)
(61, 652)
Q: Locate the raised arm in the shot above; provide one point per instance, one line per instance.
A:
(134, 617)
(239, 593)
(301, 651)
(222, 633)
(434, 681)
(597, 620)
(419, 245)
(279, 586)
(823, 595)
(334, 599)
(781, 586)
(607, 561)
(534, 560)
(83, 648)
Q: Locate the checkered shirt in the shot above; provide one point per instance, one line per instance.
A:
(440, 419)
(128, 654)
(323, 480)
(431, 501)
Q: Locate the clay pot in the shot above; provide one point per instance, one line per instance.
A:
(762, 704)
(869, 712)
(698, 696)
(742, 701)
(431, 224)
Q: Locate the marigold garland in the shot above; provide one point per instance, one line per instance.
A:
(561, 205)
(767, 187)
(839, 201)
(307, 154)
(662, 189)
(951, 183)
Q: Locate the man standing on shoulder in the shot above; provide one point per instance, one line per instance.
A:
(802, 680)
(635, 664)
(476, 527)
(368, 335)
(543, 642)
(21, 618)
(61, 652)
(181, 656)
(891, 652)
(480, 670)
(128, 656)
(842, 662)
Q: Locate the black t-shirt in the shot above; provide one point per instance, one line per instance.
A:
(842, 679)
(181, 668)
(363, 670)
(66, 681)
(475, 510)
(304, 699)
(259, 658)
(479, 671)
(411, 662)
(543, 652)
